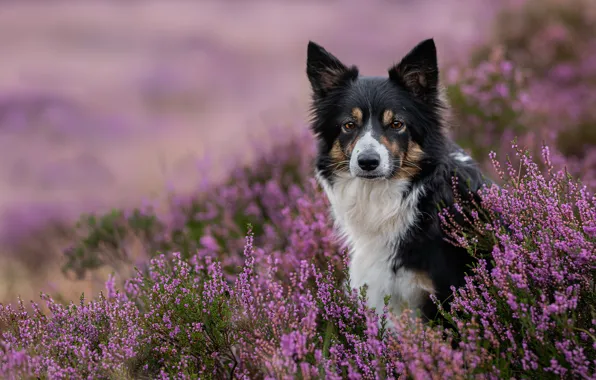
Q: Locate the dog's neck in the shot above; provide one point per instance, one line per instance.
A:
(372, 217)
(381, 209)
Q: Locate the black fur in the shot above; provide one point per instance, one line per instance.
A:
(424, 248)
(412, 89)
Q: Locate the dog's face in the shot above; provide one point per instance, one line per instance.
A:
(374, 128)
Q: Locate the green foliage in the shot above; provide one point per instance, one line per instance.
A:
(103, 240)
(104, 236)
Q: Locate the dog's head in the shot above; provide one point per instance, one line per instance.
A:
(376, 127)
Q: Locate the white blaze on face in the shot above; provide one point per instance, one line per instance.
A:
(368, 143)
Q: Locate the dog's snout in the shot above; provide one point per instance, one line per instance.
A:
(369, 160)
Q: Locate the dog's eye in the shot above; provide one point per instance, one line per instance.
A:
(396, 124)
(349, 126)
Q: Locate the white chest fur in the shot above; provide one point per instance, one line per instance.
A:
(372, 216)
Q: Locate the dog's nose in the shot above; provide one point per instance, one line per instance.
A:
(369, 161)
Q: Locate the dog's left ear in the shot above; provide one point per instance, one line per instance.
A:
(418, 71)
(325, 71)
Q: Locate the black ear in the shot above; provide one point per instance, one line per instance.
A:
(418, 71)
(325, 71)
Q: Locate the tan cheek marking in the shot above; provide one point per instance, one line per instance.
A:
(392, 146)
(410, 161)
(414, 153)
(387, 117)
(337, 154)
(357, 115)
(424, 282)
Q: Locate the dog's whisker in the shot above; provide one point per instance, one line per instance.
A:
(412, 164)
(338, 165)
(408, 172)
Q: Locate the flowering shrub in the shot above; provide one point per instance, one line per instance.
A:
(94, 339)
(552, 40)
(490, 104)
(543, 34)
(495, 101)
(536, 307)
(287, 313)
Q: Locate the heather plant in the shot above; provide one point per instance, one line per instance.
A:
(192, 323)
(495, 101)
(553, 40)
(187, 318)
(288, 313)
(534, 311)
(489, 104)
(244, 279)
(543, 34)
(94, 339)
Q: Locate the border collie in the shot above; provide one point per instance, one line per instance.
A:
(386, 162)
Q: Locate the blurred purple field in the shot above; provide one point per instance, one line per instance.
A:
(104, 103)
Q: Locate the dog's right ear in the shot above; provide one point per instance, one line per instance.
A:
(326, 71)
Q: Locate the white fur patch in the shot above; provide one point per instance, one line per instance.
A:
(372, 215)
(462, 157)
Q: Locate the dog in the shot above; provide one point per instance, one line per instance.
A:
(386, 162)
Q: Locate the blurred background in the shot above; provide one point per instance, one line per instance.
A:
(112, 104)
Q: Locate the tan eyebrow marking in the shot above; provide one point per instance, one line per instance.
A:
(388, 117)
(357, 115)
